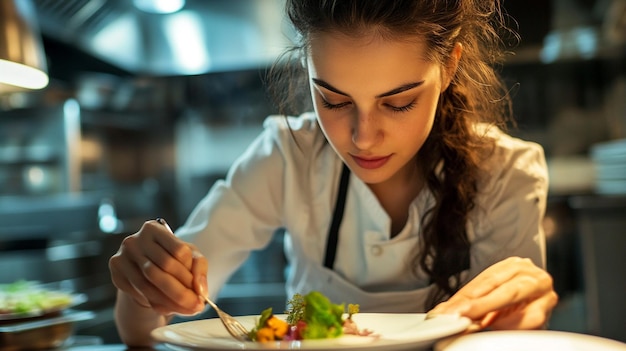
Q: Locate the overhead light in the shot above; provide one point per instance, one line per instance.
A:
(159, 6)
(22, 58)
(186, 38)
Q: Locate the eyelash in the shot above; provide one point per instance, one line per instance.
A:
(404, 108)
(330, 106)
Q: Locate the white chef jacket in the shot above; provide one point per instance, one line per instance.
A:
(288, 178)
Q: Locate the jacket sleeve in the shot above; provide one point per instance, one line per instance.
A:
(511, 207)
(240, 213)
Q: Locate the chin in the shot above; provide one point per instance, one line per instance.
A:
(371, 176)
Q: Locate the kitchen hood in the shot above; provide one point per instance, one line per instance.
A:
(204, 36)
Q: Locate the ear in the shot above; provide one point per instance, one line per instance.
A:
(452, 65)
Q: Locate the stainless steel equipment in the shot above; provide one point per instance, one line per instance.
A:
(205, 36)
(56, 239)
(49, 228)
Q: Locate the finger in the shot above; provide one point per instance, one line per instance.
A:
(176, 247)
(160, 288)
(534, 315)
(143, 291)
(199, 271)
(122, 283)
(165, 250)
(483, 323)
(519, 290)
(496, 275)
(507, 283)
(165, 292)
(171, 265)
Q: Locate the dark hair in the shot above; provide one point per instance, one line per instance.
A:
(452, 153)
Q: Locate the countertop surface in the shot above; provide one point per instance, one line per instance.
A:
(112, 347)
(94, 343)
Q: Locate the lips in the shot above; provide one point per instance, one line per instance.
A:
(371, 162)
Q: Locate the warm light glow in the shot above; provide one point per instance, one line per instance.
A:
(22, 76)
(90, 150)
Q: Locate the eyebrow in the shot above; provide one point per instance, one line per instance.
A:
(394, 91)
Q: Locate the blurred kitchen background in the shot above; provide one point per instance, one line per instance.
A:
(143, 110)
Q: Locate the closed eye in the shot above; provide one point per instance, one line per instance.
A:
(404, 108)
(338, 106)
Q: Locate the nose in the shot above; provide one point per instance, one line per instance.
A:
(365, 131)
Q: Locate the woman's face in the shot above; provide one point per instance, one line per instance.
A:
(375, 100)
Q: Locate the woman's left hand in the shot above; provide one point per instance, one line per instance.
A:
(511, 294)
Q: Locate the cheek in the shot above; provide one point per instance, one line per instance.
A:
(334, 128)
(417, 130)
(337, 131)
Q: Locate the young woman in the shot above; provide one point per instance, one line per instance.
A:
(399, 192)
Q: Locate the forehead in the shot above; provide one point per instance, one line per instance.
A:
(339, 57)
(372, 39)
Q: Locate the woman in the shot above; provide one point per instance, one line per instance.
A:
(399, 192)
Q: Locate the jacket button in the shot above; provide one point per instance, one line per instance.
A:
(376, 250)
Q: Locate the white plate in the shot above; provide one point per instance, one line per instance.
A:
(407, 331)
(536, 340)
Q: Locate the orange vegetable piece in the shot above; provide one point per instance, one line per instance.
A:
(265, 335)
(279, 326)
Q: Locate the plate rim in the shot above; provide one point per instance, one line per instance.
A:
(453, 343)
(159, 335)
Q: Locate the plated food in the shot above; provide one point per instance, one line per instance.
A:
(23, 299)
(312, 322)
(36, 316)
(392, 332)
(310, 316)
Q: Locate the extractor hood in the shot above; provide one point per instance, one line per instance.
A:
(204, 36)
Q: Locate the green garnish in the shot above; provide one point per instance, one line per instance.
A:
(25, 297)
(323, 318)
(352, 310)
(295, 309)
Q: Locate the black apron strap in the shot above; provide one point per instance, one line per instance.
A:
(333, 231)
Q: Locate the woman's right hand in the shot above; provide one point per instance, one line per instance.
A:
(160, 271)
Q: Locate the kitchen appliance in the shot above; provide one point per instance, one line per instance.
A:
(203, 36)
